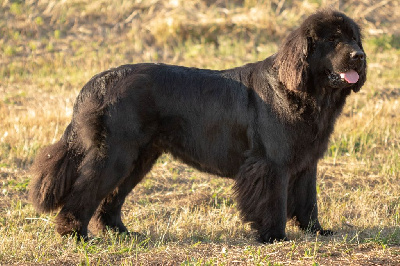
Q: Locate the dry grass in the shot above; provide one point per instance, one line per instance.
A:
(49, 49)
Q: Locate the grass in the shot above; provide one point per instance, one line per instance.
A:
(49, 49)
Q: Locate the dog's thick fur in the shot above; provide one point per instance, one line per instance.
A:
(265, 125)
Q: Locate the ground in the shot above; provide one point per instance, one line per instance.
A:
(49, 49)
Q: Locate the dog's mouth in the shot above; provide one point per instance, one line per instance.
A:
(350, 76)
(343, 79)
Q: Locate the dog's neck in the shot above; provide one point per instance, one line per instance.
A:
(309, 105)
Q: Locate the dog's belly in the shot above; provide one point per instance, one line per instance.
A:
(217, 148)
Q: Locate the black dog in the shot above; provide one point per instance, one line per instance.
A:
(265, 125)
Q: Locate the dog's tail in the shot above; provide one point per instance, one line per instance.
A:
(54, 171)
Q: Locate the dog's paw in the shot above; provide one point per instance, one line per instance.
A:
(271, 238)
(323, 232)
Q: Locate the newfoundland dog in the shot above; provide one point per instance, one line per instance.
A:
(264, 124)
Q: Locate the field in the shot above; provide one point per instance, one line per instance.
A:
(50, 49)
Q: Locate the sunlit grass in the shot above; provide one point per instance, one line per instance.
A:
(49, 49)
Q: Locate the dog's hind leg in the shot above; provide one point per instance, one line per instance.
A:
(108, 214)
(99, 175)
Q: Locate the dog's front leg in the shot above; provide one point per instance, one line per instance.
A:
(261, 189)
(302, 201)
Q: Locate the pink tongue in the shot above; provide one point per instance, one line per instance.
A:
(350, 76)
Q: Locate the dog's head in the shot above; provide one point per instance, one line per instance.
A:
(326, 50)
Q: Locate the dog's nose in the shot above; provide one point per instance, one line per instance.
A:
(357, 55)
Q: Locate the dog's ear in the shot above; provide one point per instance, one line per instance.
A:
(291, 60)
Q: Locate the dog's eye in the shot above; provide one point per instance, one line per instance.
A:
(332, 40)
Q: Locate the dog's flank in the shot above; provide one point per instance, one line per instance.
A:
(56, 166)
(265, 124)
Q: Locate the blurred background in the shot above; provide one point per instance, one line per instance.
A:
(45, 37)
